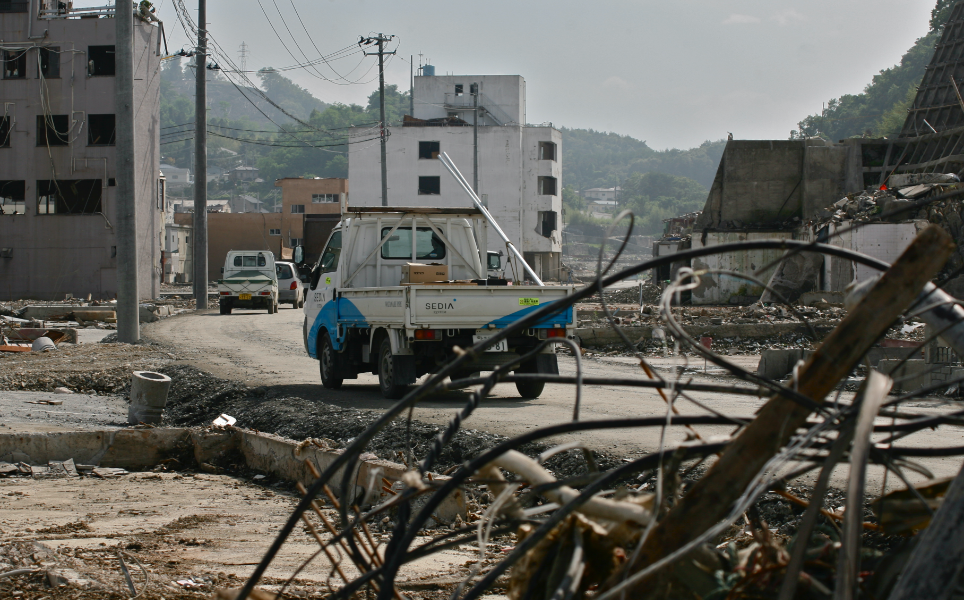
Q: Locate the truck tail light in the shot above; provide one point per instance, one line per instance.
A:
(555, 333)
(225, 293)
(294, 285)
(428, 334)
(265, 293)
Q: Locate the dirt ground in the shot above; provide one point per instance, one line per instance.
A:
(190, 532)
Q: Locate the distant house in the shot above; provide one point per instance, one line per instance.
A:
(213, 206)
(601, 193)
(246, 203)
(243, 174)
(177, 177)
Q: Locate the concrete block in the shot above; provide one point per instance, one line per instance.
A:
(146, 314)
(286, 459)
(123, 448)
(778, 364)
(212, 444)
(808, 298)
(912, 375)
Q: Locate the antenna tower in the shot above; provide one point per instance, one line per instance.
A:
(243, 53)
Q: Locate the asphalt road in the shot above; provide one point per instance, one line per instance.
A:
(267, 350)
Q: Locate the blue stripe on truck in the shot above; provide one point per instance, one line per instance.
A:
(331, 314)
(559, 319)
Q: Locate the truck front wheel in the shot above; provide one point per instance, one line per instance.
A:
(387, 377)
(326, 363)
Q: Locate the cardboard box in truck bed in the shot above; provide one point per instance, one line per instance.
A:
(419, 273)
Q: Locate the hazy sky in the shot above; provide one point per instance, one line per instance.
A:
(672, 73)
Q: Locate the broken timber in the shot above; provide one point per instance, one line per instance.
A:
(712, 496)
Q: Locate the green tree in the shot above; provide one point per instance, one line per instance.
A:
(396, 104)
(571, 199)
(657, 196)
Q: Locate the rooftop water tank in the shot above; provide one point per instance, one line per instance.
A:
(428, 70)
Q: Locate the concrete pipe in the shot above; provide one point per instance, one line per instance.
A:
(43, 344)
(148, 397)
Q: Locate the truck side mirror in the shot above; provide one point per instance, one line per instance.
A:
(299, 255)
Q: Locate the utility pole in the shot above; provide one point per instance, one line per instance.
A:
(128, 324)
(475, 137)
(411, 85)
(201, 161)
(381, 39)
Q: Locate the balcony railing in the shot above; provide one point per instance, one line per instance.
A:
(76, 13)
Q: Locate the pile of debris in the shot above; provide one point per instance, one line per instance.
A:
(81, 368)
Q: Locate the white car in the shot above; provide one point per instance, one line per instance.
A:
(290, 287)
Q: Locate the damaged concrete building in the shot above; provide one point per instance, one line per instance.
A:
(813, 189)
(58, 200)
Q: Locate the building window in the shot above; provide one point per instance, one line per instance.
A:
(274, 232)
(68, 197)
(5, 131)
(100, 61)
(547, 186)
(431, 186)
(297, 209)
(52, 130)
(547, 151)
(319, 198)
(547, 222)
(427, 244)
(15, 64)
(458, 89)
(13, 197)
(100, 130)
(14, 6)
(50, 62)
(429, 149)
(295, 242)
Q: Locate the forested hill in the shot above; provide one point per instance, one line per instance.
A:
(598, 159)
(590, 158)
(880, 110)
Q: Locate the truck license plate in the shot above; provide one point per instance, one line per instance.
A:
(244, 296)
(500, 346)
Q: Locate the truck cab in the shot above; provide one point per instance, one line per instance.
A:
(397, 289)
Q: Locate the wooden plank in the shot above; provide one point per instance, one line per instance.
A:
(711, 497)
(935, 564)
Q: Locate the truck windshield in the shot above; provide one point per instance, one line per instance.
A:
(427, 244)
(329, 260)
(250, 260)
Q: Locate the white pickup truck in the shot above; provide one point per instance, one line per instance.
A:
(360, 318)
(248, 280)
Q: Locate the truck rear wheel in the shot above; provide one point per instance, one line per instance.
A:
(225, 308)
(326, 363)
(545, 364)
(387, 377)
(530, 389)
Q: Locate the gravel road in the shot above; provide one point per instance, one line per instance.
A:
(267, 350)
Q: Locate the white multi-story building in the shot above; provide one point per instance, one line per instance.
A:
(519, 174)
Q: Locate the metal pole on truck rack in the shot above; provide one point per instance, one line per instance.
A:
(478, 204)
(128, 325)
